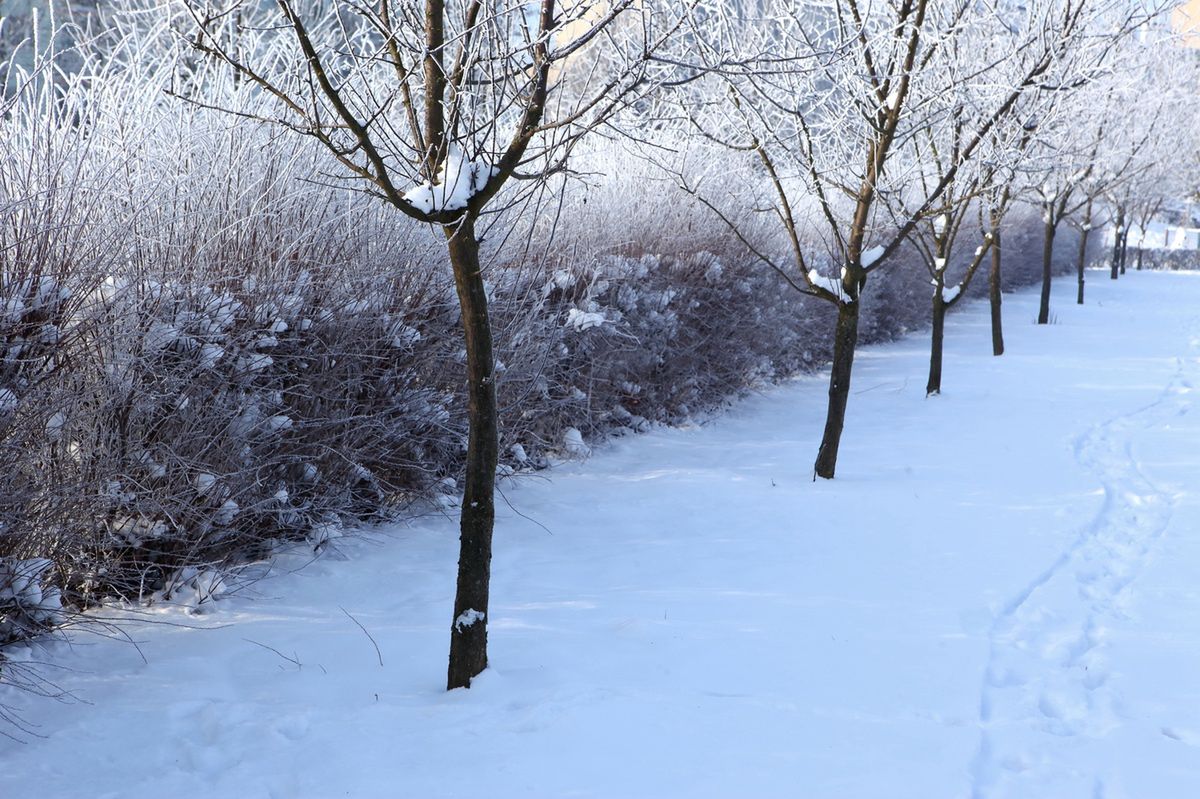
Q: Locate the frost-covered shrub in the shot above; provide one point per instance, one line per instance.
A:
(200, 352)
(206, 423)
(29, 603)
(1157, 258)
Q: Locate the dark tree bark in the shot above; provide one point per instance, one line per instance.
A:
(934, 384)
(994, 286)
(1051, 228)
(468, 638)
(943, 302)
(844, 342)
(1124, 249)
(1081, 261)
(1116, 253)
(1139, 258)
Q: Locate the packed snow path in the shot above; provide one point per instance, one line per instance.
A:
(998, 597)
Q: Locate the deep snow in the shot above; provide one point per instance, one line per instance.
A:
(997, 597)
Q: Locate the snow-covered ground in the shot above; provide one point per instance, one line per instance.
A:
(998, 597)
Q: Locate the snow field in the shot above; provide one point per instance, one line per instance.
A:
(995, 598)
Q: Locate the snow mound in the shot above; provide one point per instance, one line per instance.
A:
(574, 445)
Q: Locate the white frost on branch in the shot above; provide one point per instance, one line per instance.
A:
(459, 179)
(583, 320)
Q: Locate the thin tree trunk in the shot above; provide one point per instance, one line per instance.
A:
(1084, 230)
(1116, 253)
(844, 342)
(1124, 249)
(1047, 269)
(1083, 238)
(994, 293)
(468, 632)
(934, 384)
(1141, 251)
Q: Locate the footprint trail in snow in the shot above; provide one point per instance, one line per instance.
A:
(1046, 690)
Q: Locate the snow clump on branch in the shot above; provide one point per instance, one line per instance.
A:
(459, 179)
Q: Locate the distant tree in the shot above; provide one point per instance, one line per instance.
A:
(824, 96)
(977, 195)
(1067, 163)
(1095, 156)
(996, 200)
(1152, 153)
(936, 237)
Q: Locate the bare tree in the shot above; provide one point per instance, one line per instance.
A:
(825, 96)
(1123, 147)
(1105, 179)
(1076, 176)
(439, 106)
(1067, 165)
(1152, 153)
(977, 195)
(996, 200)
(936, 237)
